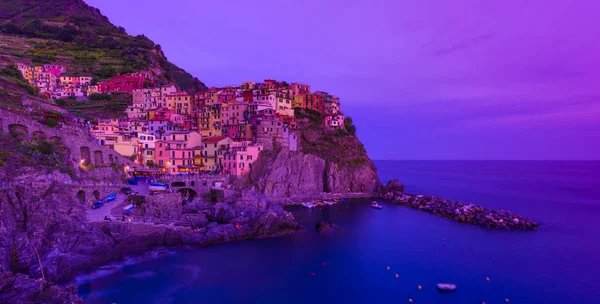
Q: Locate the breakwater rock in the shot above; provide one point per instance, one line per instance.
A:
(324, 227)
(461, 212)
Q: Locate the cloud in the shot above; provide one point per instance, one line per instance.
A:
(464, 44)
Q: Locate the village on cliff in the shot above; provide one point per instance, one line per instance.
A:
(220, 130)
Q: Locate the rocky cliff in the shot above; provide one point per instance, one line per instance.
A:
(296, 175)
(45, 236)
(328, 161)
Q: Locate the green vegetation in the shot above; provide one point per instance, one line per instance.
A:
(37, 153)
(100, 105)
(51, 122)
(71, 33)
(349, 126)
(11, 74)
(340, 146)
(100, 96)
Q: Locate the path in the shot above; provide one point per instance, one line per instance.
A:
(114, 209)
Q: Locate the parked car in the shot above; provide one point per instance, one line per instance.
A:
(98, 204)
(126, 190)
(111, 197)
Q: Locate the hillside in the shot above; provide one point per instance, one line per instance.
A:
(78, 36)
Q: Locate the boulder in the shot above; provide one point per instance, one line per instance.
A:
(394, 187)
(325, 227)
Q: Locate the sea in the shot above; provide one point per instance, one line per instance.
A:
(558, 263)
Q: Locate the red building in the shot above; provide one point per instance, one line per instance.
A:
(314, 102)
(123, 83)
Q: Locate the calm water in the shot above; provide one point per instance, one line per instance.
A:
(559, 263)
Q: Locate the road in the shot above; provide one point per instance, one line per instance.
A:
(98, 215)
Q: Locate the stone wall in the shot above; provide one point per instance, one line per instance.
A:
(77, 139)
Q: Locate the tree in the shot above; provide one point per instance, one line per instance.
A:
(349, 125)
(150, 163)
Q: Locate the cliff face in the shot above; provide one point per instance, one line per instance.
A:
(288, 174)
(328, 161)
(297, 175)
(48, 223)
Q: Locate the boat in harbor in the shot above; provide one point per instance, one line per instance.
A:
(128, 208)
(375, 205)
(309, 205)
(446, 287)
(158, 187)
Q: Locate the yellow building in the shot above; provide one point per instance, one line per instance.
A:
(299, 101)
(180, 103)
(215, 122)
(212, 152)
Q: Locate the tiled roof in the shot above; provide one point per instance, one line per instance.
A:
(214, 139)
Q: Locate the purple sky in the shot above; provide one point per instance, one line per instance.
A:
(425, 79)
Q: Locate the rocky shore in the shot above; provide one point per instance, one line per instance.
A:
(467, 213)
(45, 238)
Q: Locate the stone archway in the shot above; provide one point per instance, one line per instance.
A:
(98, 159)
(177, 184)
(85, 155)
(18, 131)
(81, 196)
(96, 194)
(39, 135)
(192, 184)
(111, 159)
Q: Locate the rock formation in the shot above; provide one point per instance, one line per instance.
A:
(291, 174)
(458, 211)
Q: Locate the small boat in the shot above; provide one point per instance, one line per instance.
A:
(158, 187)
(111, 197)
(132, 181)
(128, 208)
(375, 205)
(308, 205)
(446, 287)
(343, 200)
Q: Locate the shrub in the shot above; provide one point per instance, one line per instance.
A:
(46, 147)
(349, 125)
(51, 122)
(99, 96)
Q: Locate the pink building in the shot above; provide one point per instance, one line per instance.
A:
(297, 89)
(334, 121)
(238, 161)
(162, 157)
(234, 113)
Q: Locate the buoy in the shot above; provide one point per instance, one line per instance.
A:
(410, 300)
(420, 287)
(397, 276)
(313, 274)
(506, 300)
(324, 263)
(388, 268)
(487, 279)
